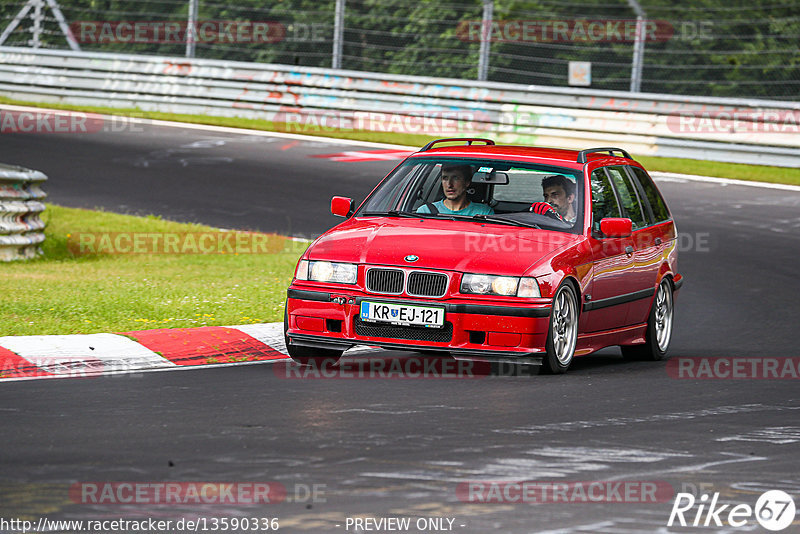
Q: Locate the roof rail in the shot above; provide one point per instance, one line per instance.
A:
(469, 141)
(582, 155)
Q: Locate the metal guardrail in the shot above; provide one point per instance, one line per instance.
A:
(21, 229)
(545, 116)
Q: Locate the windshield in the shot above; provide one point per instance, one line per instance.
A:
(493, 191)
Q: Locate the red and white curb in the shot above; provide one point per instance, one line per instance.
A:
(92, 355)
(86, 355)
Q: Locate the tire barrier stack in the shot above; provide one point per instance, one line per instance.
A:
(21, 228)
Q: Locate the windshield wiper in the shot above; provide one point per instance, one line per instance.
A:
(399, 213)
(503, 220)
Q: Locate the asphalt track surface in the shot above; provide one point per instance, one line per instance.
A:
(399, 448)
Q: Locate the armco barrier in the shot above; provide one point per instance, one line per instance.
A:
(20, 226)
(759, 131)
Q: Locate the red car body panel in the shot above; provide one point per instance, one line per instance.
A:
(601, 269)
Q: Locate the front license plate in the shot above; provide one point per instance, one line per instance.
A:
(402, 314)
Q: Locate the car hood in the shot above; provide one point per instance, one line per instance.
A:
(464, 246)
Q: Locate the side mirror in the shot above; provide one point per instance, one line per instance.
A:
(342, 206)
(616, 227)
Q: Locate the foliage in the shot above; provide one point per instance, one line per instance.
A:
(734, 48)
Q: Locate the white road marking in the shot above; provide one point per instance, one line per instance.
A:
(779, 435)
(680, 178)
(569, 426)
(694, 468)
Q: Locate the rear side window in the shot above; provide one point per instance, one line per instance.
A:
(628, 196)
(654, 198)
(604, 202)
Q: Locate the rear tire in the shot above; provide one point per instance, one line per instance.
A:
(562, 336)
(659, 327)
(308, 355)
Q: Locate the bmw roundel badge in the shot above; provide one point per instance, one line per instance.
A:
(411, 258)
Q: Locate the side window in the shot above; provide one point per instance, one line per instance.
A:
(604, 202)
(427, 186)
(628, 196)
(654, 198)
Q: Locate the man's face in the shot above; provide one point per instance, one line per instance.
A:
(557, 197)
(454, 184)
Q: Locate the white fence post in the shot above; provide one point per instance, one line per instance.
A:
(638, 47)
(338, 35)
(36, 30)
(191, 29)
(486, 37)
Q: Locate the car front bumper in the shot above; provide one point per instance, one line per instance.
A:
(473, 329)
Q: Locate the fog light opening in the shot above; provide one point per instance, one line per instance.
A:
(477, 338)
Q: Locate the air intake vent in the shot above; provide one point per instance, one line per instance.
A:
(389, 281)
(427, 284)
(388, 331)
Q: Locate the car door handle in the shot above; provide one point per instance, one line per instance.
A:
(658, 241)
(629, 250)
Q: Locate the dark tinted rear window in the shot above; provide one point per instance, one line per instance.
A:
(628, 196)
(657, 204)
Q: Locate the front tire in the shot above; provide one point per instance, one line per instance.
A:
(659, 327)
(308, 355)
(562, 336)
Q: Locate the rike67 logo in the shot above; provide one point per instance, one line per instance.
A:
(774, 510)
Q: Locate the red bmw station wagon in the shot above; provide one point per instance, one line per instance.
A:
(488, 252)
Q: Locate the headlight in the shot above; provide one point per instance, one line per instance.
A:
(505, 285)
(476, 283)
(325, 271)
(486, 284)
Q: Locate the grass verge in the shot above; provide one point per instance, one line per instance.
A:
(66, 292)
(737, 171)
